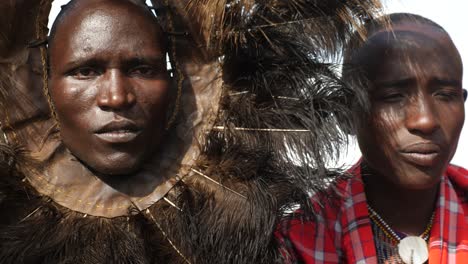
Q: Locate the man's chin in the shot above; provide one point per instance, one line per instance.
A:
(118, 168)
(421, 182)
(112, 163)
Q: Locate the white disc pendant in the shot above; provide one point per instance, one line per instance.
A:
(413, 249)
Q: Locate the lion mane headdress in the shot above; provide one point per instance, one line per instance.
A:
(257, 114)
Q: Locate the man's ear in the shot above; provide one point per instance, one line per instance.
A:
(464, 95)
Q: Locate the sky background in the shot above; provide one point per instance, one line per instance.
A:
(450, 14)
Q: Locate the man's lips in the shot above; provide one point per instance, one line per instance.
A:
(422, 153)
(118, 131)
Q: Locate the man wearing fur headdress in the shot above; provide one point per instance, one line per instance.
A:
(122, 161)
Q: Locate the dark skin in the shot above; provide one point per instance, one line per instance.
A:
(109, 85)
(415, 121)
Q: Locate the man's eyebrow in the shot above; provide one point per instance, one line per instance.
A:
(151, 60)
(396, 83)
(446, 82)
(410, 81)
(83, 62)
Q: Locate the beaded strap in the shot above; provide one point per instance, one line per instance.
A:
(389, 232)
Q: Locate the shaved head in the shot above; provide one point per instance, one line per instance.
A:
(399, 31)
(85, 7)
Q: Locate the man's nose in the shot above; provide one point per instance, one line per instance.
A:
(421, 117)
(115, 92)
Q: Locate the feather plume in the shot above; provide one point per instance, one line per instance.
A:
(276, 49)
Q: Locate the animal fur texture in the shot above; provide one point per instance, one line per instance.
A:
(276, 78)
(282, 116)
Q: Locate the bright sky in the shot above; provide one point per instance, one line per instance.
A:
(448, 13)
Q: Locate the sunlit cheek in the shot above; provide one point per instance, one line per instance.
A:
(73, 91)
(63, 93)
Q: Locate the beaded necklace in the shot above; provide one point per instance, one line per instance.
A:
(410, 249)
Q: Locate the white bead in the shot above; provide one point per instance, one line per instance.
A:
(413, 249)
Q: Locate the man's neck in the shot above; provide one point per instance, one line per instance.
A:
(405, 210)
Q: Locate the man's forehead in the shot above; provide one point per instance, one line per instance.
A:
(414, 30)
(91, 16)
(94, 3)
(102, 31)
(82, 9)
(408, 39)
(411, 50)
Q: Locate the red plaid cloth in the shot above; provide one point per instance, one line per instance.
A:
(343, 233)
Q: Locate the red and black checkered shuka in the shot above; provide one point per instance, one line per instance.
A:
(343, 233)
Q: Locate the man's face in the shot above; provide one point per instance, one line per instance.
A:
(417, 110)
(109, 86)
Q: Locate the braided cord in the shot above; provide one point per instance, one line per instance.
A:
(42, 34)
(179, 75)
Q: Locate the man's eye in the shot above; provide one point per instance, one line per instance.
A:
(449, 94)
(390, 97)
(84, 73)
(145, 71)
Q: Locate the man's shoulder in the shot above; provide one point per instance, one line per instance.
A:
(310, 238)
(343, 191)
(455, 169)
(458, 176)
